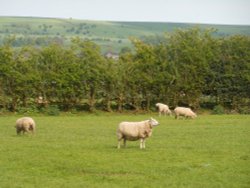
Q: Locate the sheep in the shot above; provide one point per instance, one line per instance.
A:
(135, 130)
(183, 111)
(25, 124)
(163, 108)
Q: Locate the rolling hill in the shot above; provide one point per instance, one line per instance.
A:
(111, 36)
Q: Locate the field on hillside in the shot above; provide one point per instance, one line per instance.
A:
(80, 151)
(111, 36)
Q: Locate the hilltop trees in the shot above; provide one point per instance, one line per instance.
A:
(187, 67)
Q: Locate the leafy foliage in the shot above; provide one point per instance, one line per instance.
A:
(218, 109)
(185, 68)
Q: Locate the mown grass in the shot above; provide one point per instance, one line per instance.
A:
(80, 151)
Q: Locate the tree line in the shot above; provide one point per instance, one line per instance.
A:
(185, 68)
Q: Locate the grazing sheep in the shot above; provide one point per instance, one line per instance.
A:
(135, 130)
(25, 124)
(163, 108)
(186, 112)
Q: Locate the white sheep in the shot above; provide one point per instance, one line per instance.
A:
(163, 108)
(183, 111)
(25, 124)
(135, 130)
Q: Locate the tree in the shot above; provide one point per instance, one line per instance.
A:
(109, 82)
(6, 62)
(145, 73)
(60, 76)
(91, 62)
(124, 80)
(184, 68)
(19, 76)
(26, 75)
(231, 80)
(190, 51)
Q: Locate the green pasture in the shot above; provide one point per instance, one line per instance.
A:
(80, 151)
(111, 36)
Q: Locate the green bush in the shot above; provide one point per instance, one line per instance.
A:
(218, 109)
(244, 110)
(27, 110)
(3, 111)
(52, 110)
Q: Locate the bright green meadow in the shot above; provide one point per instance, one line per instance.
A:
(80, 151)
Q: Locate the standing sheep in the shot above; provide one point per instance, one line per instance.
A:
(25, 124)
(186, 112)
(163, 108)
(135, 130)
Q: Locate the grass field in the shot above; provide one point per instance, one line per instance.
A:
(80, 151)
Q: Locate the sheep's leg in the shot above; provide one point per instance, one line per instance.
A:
(119, 144)
(32, 129)
(18, 131)
(26, 129)
(141, 143)
(119, 137)
(124, 142)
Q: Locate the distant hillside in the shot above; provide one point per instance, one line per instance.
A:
(111, 36)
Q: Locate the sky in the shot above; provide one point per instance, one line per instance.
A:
(235, 12)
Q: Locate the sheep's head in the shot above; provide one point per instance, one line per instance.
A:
(194, 116)
(153, 122)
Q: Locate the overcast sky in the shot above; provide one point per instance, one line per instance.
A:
(194, 11)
